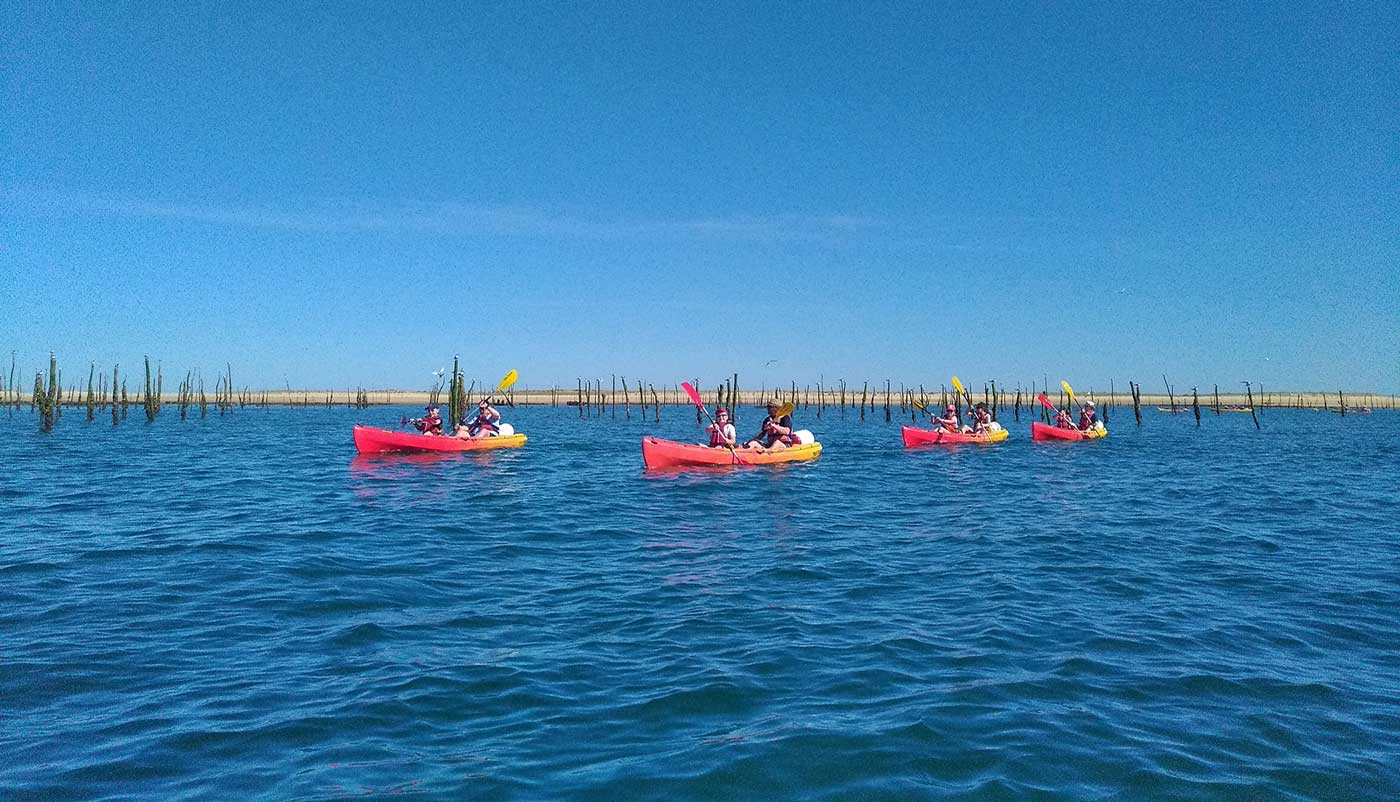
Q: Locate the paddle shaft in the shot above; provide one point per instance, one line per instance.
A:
(700, 405)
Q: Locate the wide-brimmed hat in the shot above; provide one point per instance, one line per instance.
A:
(772, 402)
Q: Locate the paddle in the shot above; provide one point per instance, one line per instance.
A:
(783, 411)
(503, 386)
(700, 405)
(919, 405)
(1070, 391)
(957, 386)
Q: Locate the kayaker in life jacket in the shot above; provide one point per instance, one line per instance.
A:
(487, 422)
(1087, 417)
(981, 419)
(775, 433)
(430, 423)
(1063, 420)
(722, 434)
(949, 421)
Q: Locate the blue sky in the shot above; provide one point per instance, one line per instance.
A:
(345, 196)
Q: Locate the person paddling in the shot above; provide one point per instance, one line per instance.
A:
(722, 434)
(776, 431)
(949, 421)
(1088, 419)
(981, 419)
(487, 422)
(430, 423)
(1063, 420)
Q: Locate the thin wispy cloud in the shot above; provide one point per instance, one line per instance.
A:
(453, 218)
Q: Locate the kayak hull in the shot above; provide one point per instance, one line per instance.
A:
(1043, 431)
(369, 440)
(914, 436)
(658, 453)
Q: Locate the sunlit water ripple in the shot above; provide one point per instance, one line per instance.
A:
(240, 608)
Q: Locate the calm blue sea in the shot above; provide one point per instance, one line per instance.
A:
(240, 608)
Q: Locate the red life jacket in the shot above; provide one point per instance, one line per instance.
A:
(1086, 420)
(483, 423)
(717, 435)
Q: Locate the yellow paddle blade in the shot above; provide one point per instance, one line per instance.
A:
(507, 381)
(1068, 390)
(919, 405)
(957, 385)
(785, 409)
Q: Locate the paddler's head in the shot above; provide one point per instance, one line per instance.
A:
(773, 406)
(721, 414)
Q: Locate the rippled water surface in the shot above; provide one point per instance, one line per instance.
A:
(242, 609)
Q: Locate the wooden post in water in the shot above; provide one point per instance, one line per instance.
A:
(47, 400)
(1250, 392)
(1196, 406)
(656, 402)
(1137, 401)
(865, 388)
(1341, 404)
(1217, 399)
(580, 398)
(92, 371)
(887, 400)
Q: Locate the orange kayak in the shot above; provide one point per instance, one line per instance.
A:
(914, 436)
(369, 440)
(658, 453)
(1043, 431)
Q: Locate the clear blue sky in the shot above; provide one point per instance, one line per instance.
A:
(348, 194)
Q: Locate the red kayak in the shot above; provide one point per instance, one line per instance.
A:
(369, 440)
(920, 437)
(1044, 431)
(658, 453)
